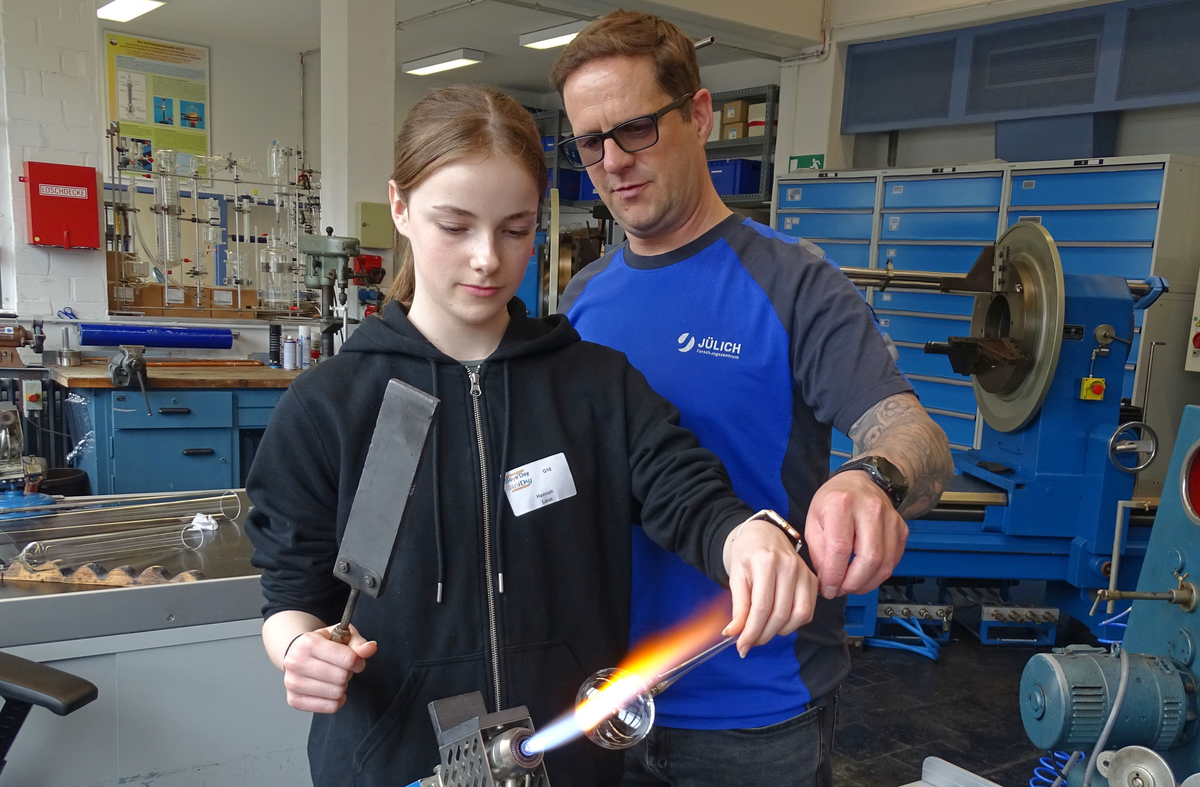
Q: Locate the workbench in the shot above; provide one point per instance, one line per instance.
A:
(201, 433)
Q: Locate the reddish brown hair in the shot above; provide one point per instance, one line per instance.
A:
(451, 124)
(634, 34)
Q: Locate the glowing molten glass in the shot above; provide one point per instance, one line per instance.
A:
(615, 707)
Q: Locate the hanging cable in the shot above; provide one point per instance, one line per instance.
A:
(1122, 684)
(928, 648)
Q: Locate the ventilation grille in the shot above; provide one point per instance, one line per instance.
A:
(1160, 56)
(1087, 714)
(1173, 719)
(899, 83)
(1035, 66)
(464, 764)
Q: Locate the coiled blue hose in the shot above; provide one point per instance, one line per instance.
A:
(1052, 769)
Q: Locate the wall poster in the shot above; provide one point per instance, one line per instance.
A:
(158, 92)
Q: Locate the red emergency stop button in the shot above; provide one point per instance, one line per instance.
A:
(1196, 340)
(35, 397)
(1098, 388)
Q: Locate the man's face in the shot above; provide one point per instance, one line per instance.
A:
(653, 191)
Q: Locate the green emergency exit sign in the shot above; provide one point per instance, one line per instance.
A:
(816, 161)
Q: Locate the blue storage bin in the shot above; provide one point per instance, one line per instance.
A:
(1095, 225)
(848, 226)
(587, 189)
(917, 257)
(812, 193)
(735, 175)
(1087, 187)
(940, 226)
(568, 184)
(981, 192)
(548, 143)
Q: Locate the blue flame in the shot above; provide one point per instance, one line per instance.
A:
(557, 734)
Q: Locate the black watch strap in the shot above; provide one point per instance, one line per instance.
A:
(885, 475)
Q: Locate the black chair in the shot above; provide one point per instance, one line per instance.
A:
(25, 683)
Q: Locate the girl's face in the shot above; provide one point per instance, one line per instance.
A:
(471, 227)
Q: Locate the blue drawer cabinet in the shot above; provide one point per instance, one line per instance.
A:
(980, 226)
(828, 194)
(848, 255)
(946, 396)
(1088, 187)
(920, 328)
(933, 302)
(914, 360)
(1128, 262)
(1121, 225)
(195, 439)
(169, 460)
(172, 409)
(917, 257)
(979, 192)
(960, 431)
(816, 226)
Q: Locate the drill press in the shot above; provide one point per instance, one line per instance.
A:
(328, 266)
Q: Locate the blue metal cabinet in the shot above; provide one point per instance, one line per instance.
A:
(981, 192)
(828, 194)
(928, 257)
(920, 328)
(195, 439)
(169, 460)
(1088, 187)
(1129, 262)
(817, 226)
(848, 255)
(1117, 225)
(973, 225)
(933, 302)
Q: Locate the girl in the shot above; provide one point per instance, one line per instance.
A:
(489, 590)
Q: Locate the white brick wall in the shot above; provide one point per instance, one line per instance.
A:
(51, 110)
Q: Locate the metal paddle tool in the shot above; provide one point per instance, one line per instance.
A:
(394, 460)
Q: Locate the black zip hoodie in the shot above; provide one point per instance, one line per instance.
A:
(561, 573)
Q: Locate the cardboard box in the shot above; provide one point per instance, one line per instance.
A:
(180, 313)
(735, 112)
(223, 299)
(734, 131)
(759, 130)
(757, 112)
(715, 134)
(124, 297)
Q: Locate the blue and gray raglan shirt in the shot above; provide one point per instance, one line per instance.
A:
(763, 345)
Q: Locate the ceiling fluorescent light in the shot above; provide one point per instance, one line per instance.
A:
(124, 10)
(552, 36)
(443, 62)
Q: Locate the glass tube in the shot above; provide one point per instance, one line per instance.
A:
(278, 164)
(106, 547)
(49, 522)
(277, 290)
(166, 207)
(214, 233)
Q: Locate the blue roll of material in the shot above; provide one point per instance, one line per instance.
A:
(112, 335)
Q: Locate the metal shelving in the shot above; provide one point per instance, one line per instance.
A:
(763, 146)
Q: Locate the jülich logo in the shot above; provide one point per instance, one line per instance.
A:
(709, 346)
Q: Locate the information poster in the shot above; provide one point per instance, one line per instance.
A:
(158, 92)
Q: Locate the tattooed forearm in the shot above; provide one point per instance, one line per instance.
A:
(900, 430)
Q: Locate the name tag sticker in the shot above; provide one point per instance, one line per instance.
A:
(539, 484)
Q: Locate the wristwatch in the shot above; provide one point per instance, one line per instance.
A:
(885, 475)
(772, 518)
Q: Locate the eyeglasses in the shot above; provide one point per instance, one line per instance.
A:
(630, 136)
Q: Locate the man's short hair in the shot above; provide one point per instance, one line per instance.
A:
(634, 34)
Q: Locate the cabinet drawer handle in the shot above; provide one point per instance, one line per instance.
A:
(198, 451)
(175, 410)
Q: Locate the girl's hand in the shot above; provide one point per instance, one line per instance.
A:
(316, 669)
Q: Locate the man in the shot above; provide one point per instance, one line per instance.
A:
(763, 346)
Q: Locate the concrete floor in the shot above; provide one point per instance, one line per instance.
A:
(897, 708)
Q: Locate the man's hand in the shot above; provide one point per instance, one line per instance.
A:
(851, 514)
(316, 669)
(773, 589)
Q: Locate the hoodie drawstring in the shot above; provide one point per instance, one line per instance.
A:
(504, 446)
(437, 505)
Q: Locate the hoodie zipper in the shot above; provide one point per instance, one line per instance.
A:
(476, 393)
